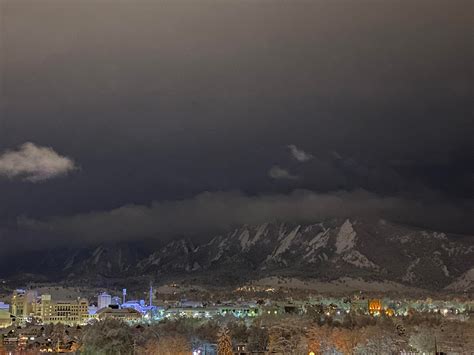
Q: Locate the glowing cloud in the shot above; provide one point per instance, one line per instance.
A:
(279, 173)
(299, 154)
(34, 163)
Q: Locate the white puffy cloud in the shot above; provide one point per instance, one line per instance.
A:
(278, 173)
(34, 163)
(299, 154)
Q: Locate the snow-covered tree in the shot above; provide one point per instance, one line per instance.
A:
(318, 338)
(258, 338)
(238, 331)
(423, 340)
(346, 340)
(287, 339)
(167, 345)
(380, 340)
(224, 342)
(107, 337)
(456, 337)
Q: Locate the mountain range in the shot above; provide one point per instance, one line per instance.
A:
(325, 251)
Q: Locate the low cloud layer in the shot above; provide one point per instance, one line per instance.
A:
(279, 173)
(33, 163)
(210, 213)
(299, 154)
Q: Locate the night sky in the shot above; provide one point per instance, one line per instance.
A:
(129, 119)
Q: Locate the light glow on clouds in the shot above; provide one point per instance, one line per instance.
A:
(299, 154)
(279, 173)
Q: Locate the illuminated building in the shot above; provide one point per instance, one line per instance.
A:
(104, 300)
(24, 304)
(6, 319)
(138, 305)
(241, 349)
(30, 304)
(375, 306)
(389, 312)
(212, 311)
(92, 312)
(125, 314)
(66, 312)
(239, 311)
(116, 301)
(18, 302)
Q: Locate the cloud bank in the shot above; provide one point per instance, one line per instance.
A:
(212, 212)
(34, 163)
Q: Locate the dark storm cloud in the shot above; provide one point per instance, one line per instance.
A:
(160, 101)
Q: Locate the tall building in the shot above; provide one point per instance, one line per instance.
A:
(104, 300)
(30, 303)
(18, 302)
(46, 308)
(24, 304)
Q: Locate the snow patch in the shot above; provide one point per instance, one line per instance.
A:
(342, 285)
(69, 263)
(405, 239)
(357, 259)
(463, 283)
(156, 261)
(219, 254)
(244, 239)
(445, 270)
(440, 236)
(196, 266)
(286, 242)
(260, 232)
(410, 274)
(97, 253)
(441, 264)
(345, 238)
(319, 241)
(281, 232)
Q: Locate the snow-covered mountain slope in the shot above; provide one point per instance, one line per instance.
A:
(327, 251)
(465, 282)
